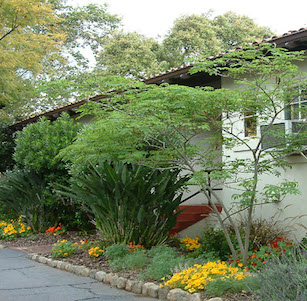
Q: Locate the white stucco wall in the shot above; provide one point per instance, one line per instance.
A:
(292, 211)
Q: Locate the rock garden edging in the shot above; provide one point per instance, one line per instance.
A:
(149, 289)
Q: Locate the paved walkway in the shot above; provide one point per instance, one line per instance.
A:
(22, 279)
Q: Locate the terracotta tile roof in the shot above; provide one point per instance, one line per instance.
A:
(67, 107)
(280, 40)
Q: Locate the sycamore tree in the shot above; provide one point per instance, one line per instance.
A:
(171, 126)
(195, 35)
(130, 55)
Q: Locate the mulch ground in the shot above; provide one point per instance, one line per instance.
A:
(42, 244)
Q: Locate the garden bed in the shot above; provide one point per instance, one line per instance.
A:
(43, 242)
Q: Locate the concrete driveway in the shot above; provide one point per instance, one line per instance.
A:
(26, 280)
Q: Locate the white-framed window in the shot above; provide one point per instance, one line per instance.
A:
(296, 113)
(295, 122)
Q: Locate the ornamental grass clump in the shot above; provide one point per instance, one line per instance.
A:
(63, 248)
(197, 277)
(12, 229)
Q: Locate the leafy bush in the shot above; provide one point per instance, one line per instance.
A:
(130, 203)
(214, 244)
(123, 256)
(38, 145)
(157, 250)
(284, 278)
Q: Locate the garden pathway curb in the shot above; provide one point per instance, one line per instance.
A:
(148, 289)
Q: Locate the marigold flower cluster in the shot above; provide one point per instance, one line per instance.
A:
(190, 243)
(54, 229)
(12, 229)
(197, 277)
(63, 248)
(134, 247)
(95, 251)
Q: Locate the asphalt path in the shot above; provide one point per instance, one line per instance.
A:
(27, 280)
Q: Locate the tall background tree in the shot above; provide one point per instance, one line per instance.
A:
(42, 51)
(194, 35)
(27, 36)
(130, 55)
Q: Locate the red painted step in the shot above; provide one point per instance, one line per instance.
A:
(192, 214)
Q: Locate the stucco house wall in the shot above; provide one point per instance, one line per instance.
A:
(292, 211)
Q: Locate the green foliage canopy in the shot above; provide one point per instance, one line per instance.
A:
(38, 144)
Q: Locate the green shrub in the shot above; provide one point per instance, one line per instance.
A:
(116, 251)
(38, 145)
(215, 245)
(283, 278)
(130, 203)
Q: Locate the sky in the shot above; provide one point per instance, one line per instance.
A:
(155, 18)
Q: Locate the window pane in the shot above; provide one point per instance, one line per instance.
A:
(273, 136)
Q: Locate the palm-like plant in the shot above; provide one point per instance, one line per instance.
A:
(129, 202)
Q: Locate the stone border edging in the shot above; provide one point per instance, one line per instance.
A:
(148, 289)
